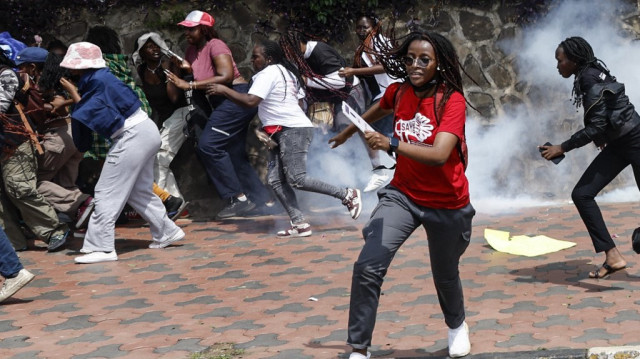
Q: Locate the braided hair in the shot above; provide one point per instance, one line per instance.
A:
(290, 43)
(579, 51)
(274, 53)
(367, 45)
(448, 76)
(49, 82)
(105, 38)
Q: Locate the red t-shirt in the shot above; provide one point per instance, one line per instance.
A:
(202, 61)
(429, 186)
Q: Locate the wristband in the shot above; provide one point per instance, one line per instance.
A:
(393, 146)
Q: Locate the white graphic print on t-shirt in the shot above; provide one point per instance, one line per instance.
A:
(416, 130)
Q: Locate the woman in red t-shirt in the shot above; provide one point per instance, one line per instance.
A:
(429, 187)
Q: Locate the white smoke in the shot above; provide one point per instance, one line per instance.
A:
(497, 173)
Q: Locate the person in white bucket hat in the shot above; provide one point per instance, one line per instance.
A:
(106, 105)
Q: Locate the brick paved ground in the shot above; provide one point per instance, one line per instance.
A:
(232, 281)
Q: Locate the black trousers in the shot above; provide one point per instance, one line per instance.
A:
(614, 158)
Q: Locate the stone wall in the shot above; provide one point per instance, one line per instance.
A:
(476, 32)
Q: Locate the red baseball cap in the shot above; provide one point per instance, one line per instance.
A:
(197, 17)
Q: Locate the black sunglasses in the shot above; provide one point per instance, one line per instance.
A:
(419, 62)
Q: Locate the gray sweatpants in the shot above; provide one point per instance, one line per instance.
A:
(127, 177)
(391, 223)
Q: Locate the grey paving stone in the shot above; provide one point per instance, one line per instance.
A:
(470, 283)
(291, 271)
(149, 317)
(93, 269)
(253, 284)
(267, 296)
(75, 323)
(166, 330)
(215, 265)
(272, 262)
(243, 324)
(492, 294)
(412, 330)
(520, 339)
(42, 283)
(524, 306)
(423, 299)
(334, 292)
(262, 341)
(489, 324)
(167, 278)
(224, 312)
(62, 308)
(289, 308)
(494, 270)
(154, 268)
(595, 334)
(311, 281)
(590, 303)
(90, 337)
(415, 263)
(198, 254)
(140, 257)
(254, 253)
(331, 258)
(107, 351)
(124, 292)
(49, 296)
(207, 299)
(314, 320)
(625, 315)
(557, 290)
(553, 320)
(402, 288)
(290, 354)
(390, 316)
(19, 341)
(109, 280)
(133, 303)
(345, 269)
(187, 288)
(237, 274)
(34, 354)
(237, 244)
(7, 326)
(311, 249)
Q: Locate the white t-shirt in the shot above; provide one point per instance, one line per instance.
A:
(382, 79)
(276, 108)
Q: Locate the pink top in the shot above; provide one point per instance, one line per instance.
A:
(202, 62)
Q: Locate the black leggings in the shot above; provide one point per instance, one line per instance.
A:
(614, 158)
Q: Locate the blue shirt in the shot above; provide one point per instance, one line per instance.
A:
(106, 102)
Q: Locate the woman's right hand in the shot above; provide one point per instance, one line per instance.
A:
(550, 152)
(339, 139)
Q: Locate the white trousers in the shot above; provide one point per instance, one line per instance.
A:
(171, 139)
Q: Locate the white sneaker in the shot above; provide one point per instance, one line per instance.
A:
(459, 344)
(296, 230)
(12, 285)
(179, 235)
(97, 257)
(377, 180)
(353, 201)
(355, 355)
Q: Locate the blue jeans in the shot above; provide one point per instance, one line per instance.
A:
(9, 262)
(393, 220)
(222, 150)
(288, 170)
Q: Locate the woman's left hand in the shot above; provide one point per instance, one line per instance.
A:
(215, 89)
(377, 141)
(174, 79)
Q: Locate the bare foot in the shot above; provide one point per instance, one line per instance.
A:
(613, 263)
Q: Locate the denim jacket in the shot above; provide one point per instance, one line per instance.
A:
(105, 104)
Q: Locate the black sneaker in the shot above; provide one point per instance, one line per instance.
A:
(635, 240)
(175, 206)
(236, 208)
(56, 241)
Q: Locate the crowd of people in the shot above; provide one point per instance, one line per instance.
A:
(64, 106)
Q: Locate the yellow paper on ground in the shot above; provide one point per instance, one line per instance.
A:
(524, 245)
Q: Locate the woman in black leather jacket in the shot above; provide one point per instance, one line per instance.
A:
(611, 123)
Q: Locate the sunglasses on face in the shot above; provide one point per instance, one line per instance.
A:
(419, 62)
